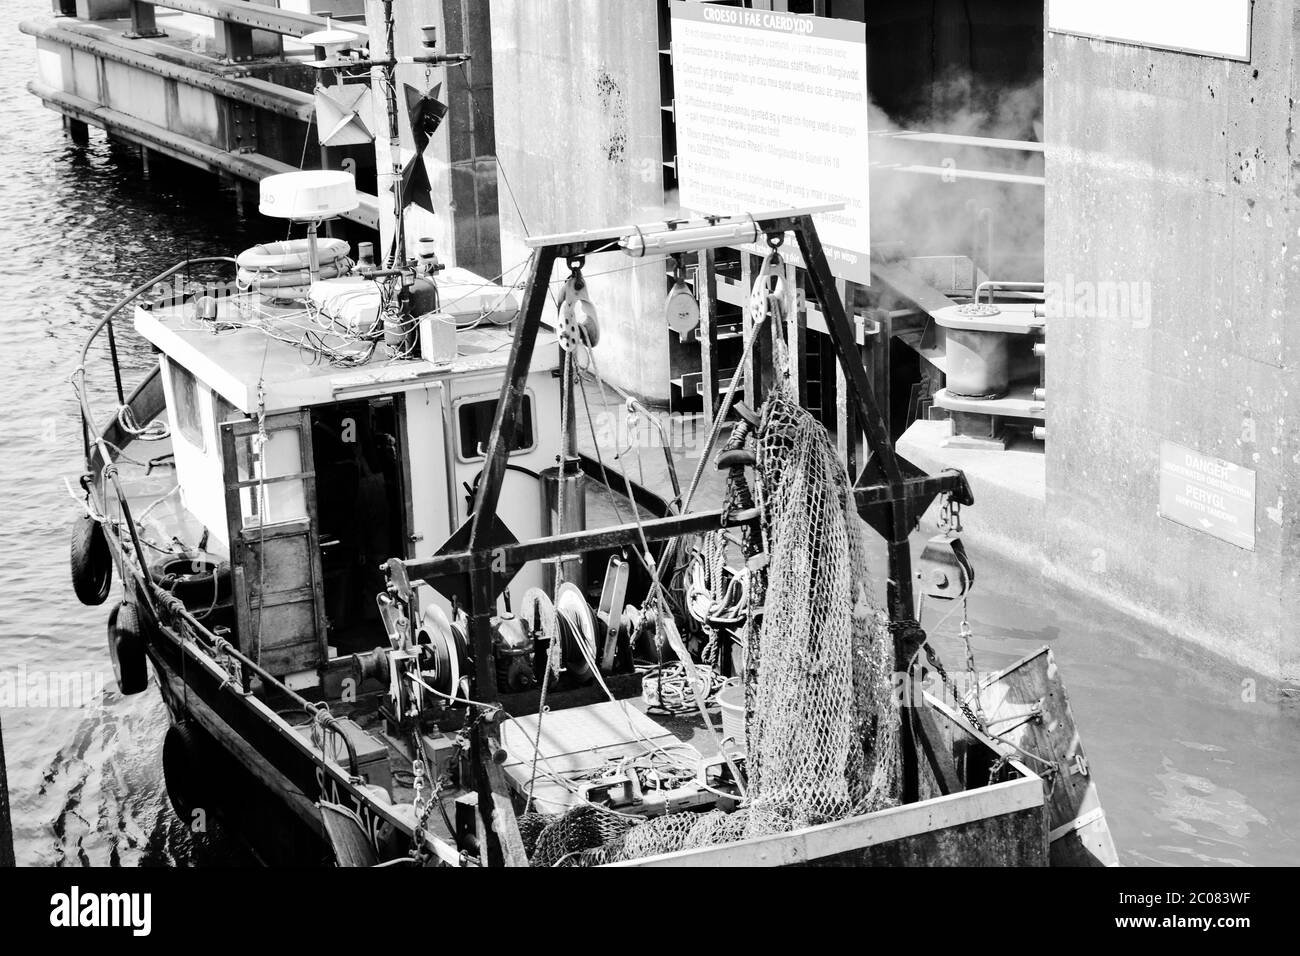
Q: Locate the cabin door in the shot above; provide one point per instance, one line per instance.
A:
(270, 485)
(362, 511)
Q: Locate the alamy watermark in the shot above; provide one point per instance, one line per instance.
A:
(75, 909)
(625, 435)
(1128, 301)
(24, 687)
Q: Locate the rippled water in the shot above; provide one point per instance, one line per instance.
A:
(1197, 762)
(78, 228)
(1190, 772)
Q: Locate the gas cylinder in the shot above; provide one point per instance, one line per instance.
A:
(571, 478)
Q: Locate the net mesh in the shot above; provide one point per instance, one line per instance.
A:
(589, 836)
(555, 839)
(823, 722)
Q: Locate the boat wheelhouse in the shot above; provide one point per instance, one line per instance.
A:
(303, 477)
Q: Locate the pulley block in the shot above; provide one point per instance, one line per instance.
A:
(944, 570)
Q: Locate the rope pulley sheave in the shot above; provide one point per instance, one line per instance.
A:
(579, 323)
(943, 569)
(681, 309)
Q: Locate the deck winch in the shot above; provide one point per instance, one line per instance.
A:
(432, 669)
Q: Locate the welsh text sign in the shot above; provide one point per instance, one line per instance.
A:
(1208, 494)
(771, 114)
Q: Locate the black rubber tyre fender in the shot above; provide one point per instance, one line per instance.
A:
(193, 589)
(126, 649)
(183, 771)
(92, 562)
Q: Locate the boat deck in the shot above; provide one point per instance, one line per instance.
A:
(999, 821)
(578, 744)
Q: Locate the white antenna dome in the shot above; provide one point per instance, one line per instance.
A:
(308, 195)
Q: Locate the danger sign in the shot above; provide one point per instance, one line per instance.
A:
(1208, 494)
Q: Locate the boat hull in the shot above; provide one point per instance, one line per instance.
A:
(261, 779)
(1026, 705)
(999, 825)
(270, 781)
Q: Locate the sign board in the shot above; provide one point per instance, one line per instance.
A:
(1208, 494)
(1209, 27)
(771, 113)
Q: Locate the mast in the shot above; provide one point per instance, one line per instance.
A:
(389, 73)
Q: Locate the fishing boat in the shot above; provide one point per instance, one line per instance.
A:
(355, 578)
(347, 514)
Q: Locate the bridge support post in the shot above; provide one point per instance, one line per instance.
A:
(238, 41)
(78, 130)
(144, 23)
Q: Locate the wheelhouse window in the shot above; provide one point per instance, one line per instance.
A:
(222, 412)
(186, 417)
(271, 473)
(474, 428)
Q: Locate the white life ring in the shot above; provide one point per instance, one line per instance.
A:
(265, 281)
(290, 255)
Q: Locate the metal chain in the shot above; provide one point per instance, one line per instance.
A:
(950, 515)
(566, 413)
(948, 682)
(423, 806)
(972, 674)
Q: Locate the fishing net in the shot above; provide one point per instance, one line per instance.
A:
(823, 721)
(553, 839)
(588, 836)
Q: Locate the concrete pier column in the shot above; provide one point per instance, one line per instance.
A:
(77, 131)
(1172, 182)
(246, 193)
(103, 9)
(240, 189)
(585, 147)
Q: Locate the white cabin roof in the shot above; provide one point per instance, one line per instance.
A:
(233, 360)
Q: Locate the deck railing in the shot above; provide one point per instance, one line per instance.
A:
(93, 436)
